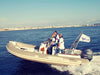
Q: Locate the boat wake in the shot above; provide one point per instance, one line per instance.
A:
(96, 53)
(93, 68)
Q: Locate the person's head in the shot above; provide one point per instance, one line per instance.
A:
(52, 35)
(55, 32)
(60, 35)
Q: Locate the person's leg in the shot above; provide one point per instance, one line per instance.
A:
(50, 49)
(62, 51)
(57, 51)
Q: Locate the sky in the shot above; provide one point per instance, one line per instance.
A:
(31, 13)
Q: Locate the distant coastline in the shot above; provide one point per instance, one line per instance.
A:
(28, 28)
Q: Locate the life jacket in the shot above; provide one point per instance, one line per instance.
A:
(61, 38)
(61, 41)
(54, 40)
(57, 38)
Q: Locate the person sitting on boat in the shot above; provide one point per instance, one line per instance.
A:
(53, 43)
(61, 46)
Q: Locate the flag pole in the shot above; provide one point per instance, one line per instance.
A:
(75, 44)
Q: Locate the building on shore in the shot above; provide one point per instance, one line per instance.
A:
(27, 28)
(97, 24)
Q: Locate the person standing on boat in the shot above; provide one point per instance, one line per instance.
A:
(53, 43)
(61, 46)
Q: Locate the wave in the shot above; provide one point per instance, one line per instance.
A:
(92, 68)
(96, 53)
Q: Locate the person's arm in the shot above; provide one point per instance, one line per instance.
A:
(51, 42)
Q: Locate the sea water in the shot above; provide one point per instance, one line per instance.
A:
(12, 65)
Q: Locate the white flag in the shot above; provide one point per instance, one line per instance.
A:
(84, 38)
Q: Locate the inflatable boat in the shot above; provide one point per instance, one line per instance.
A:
(39, 54)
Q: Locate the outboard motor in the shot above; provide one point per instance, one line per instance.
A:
(87, 54)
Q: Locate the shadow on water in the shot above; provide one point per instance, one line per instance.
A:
(34, 68)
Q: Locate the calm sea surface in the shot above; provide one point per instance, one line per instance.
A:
(12, 65)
